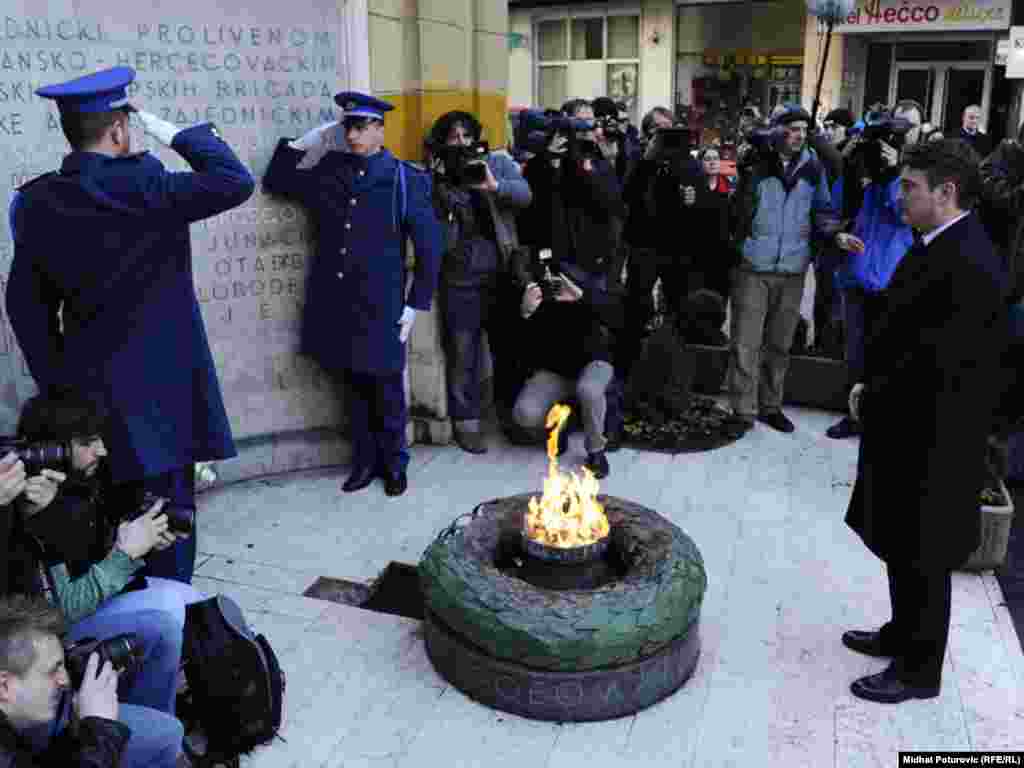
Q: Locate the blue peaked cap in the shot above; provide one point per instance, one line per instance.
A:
(361, 105)
(101, 91)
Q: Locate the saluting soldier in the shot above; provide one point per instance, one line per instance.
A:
(366, 202)
(101, 294)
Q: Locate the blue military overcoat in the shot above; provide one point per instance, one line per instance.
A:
(364, 208)
(104, 242)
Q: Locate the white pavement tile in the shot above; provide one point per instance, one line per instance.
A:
(786, 577)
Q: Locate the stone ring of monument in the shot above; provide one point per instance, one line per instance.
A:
(570, 638)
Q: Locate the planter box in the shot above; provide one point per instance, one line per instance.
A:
(815, 382)
(995, 535)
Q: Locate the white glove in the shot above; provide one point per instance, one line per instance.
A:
(855, 395)
(160, 130)
(405, 324)
(314, 138)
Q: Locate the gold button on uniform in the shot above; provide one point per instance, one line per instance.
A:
(348, 225)
(341, 275)
(352, 201)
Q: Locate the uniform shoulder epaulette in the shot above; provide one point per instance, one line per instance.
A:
(36, 180)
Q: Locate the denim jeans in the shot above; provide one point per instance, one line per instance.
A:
(155, 740)
(157, 615)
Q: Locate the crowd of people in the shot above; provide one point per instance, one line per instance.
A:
(545, 260)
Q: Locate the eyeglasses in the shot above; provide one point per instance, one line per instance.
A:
(711, 158)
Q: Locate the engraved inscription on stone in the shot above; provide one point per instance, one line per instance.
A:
(259, 75)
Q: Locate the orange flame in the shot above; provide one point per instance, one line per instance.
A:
(568, 513)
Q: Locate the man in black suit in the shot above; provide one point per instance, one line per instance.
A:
(970, 131)
(926, 406)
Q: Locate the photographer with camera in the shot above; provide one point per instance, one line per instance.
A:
(567, 315)
(611, 132)
(477, 195)
(782, 201)
(880, 237)
(577, 207)
(43, 724)
(89, 550)
(666, 195)
(127, 313)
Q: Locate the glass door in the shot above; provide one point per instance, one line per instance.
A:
(916, 82)
(944, 88)
(965, 85)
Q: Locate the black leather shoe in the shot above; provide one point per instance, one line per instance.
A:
(886, 688)
(613, 442)
(843, 429)
(359, 479)
(738, 424)
(867, 642)
(597, 463)
(395, 483)
(471, 442)
(776, 420)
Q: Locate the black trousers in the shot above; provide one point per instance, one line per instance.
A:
(919, 629)
(646, 265)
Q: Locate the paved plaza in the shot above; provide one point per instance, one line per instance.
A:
(785, 578)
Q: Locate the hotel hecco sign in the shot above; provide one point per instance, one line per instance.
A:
(926, 15)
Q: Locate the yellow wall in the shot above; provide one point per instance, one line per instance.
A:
(428, 57)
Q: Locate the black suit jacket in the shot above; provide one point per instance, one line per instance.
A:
(932, 364)
(981, 142)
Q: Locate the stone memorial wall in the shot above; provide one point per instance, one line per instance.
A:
(259, 71)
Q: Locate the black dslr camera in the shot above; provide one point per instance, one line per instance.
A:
(611, 125)
(464, 164)
(178, 520)
(37, 455)
(549, 281)
(670, 145)
(124, 652)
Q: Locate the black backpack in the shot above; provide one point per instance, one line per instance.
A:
(235, 683)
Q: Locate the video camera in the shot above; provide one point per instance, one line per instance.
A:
(536, 129)
(464, 164)
(178, 520)
(879, 126)
(760, 143)
(124, 652)
(37, 455)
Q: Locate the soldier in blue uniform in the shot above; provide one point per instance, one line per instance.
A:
(101, 294)
(358, 315)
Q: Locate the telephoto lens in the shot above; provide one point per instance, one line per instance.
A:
(38, 455)
(124, 652)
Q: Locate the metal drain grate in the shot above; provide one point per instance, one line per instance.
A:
(395, 591)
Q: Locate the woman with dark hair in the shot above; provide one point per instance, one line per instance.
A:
(716, 258)
(477, 195)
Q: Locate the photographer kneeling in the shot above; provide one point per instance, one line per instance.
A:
(568, 351)
(476, 197)
(90, 551)
(37, 726)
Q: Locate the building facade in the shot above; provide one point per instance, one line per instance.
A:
(706, 59)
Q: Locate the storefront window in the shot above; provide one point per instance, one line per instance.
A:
(623, 37)
(598, 54)
(733, 54)
(587, 39)
(552, 40)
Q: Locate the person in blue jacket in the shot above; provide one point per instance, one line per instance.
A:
(874, 249)
(358, 318)
(101, 294)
